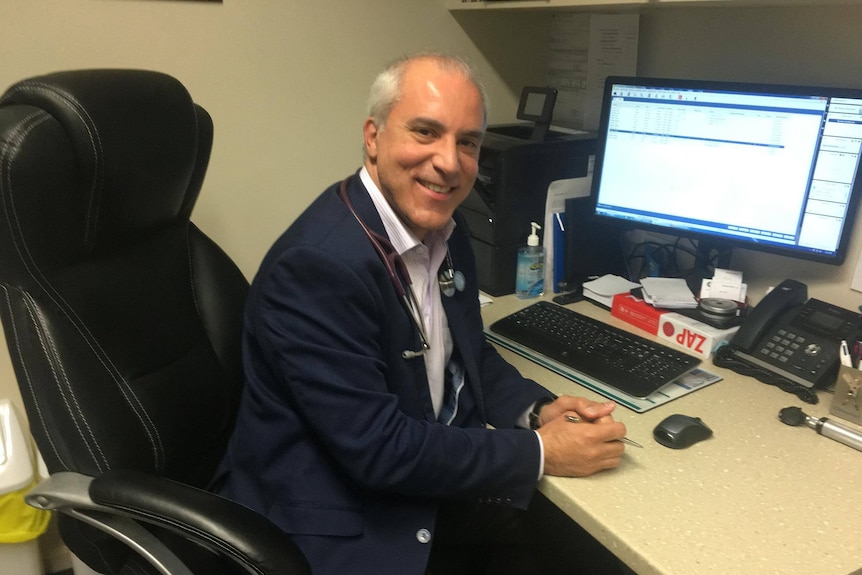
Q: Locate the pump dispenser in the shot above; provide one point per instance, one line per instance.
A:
(530, 280)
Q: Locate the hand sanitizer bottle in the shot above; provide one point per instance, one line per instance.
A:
(530, 280)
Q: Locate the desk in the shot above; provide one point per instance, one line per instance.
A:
(759, 497)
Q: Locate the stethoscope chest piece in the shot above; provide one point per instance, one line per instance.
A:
(450, 280)
(446, 279)
(460, 282)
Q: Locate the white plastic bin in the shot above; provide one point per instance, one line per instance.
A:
(20, 524)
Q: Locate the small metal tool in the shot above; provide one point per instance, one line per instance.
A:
(625, 440)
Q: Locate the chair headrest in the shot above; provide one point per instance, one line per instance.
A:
(141, 144)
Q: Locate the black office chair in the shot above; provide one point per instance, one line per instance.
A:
(123, 324)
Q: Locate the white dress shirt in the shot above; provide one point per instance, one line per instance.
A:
(422, 261)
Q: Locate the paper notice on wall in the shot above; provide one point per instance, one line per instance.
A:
(584, 50)
(569, 45)
(613, 52)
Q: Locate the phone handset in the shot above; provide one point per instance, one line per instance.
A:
(743, 353)
(785, 296)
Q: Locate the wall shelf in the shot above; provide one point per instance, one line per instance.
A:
(458, 5)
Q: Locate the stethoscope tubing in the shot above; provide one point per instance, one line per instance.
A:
(397, 271)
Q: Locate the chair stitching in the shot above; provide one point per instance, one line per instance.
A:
(28, 380)
(67, 392)
(19, 133)
(95, 145)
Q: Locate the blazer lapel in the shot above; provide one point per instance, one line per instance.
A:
(365, 208)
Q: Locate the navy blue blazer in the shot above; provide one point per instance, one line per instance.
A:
(336, 440)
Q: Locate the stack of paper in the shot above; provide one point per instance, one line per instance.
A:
(603, 289)
(670, 293)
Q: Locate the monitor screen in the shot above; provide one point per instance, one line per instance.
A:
(765, 167)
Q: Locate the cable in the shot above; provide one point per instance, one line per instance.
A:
(724, 357)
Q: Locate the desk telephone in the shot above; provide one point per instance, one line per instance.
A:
(795, 338)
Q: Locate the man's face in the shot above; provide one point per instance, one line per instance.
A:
(426, 158)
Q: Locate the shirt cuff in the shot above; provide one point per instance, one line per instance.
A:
(541, 456)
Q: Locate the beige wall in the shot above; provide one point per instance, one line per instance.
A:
(286, 82)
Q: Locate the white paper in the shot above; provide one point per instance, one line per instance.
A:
(603, 289)
(725, 284)
(705, 290)
(613, 52)
(585, 49)
(569, 44)
(671, 293)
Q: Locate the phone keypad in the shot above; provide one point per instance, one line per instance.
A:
(792, 350)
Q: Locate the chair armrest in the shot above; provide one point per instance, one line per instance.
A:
(228, 528)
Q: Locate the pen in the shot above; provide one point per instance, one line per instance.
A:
(625, 440)
(844, 354)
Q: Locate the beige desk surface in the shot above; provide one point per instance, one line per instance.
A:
(757, 497)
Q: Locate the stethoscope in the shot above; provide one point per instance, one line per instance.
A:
(448, 279)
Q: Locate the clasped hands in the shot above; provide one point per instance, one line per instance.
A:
(580, 450)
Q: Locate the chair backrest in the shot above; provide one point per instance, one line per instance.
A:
(123, 319)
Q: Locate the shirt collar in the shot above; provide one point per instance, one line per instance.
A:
(403, 240)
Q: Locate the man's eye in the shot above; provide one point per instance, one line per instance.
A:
(471, 147)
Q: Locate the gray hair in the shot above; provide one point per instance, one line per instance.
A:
(386, 89)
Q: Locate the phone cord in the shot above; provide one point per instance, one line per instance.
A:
(724, 358)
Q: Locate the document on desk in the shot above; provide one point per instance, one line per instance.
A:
(692, 381)
(603, 289)
(668, 293)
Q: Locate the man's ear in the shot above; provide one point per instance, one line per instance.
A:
(370, 133)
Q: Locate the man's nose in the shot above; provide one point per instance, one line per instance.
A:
(446, 157)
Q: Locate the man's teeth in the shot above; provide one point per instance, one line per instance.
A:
(436, 188)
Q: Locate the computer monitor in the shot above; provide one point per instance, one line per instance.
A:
(765, 167)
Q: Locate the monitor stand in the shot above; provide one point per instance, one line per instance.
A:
(709, 255)
(540, 131)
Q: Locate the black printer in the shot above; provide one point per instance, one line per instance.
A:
(510, 192)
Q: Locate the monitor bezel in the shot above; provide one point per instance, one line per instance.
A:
(836, 258)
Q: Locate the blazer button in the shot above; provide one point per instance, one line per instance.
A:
(423, 536)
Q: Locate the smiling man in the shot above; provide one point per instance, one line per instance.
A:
(424, 157)
(378, 427)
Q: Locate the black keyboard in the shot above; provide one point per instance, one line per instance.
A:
(632, 364)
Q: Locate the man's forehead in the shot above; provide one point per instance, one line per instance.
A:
(447, 89)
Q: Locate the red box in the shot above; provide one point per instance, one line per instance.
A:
(695, 336)
(637, 312)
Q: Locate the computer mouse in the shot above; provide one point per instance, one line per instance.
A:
(679, 431)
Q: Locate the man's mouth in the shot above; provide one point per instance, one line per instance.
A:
(436, 188)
